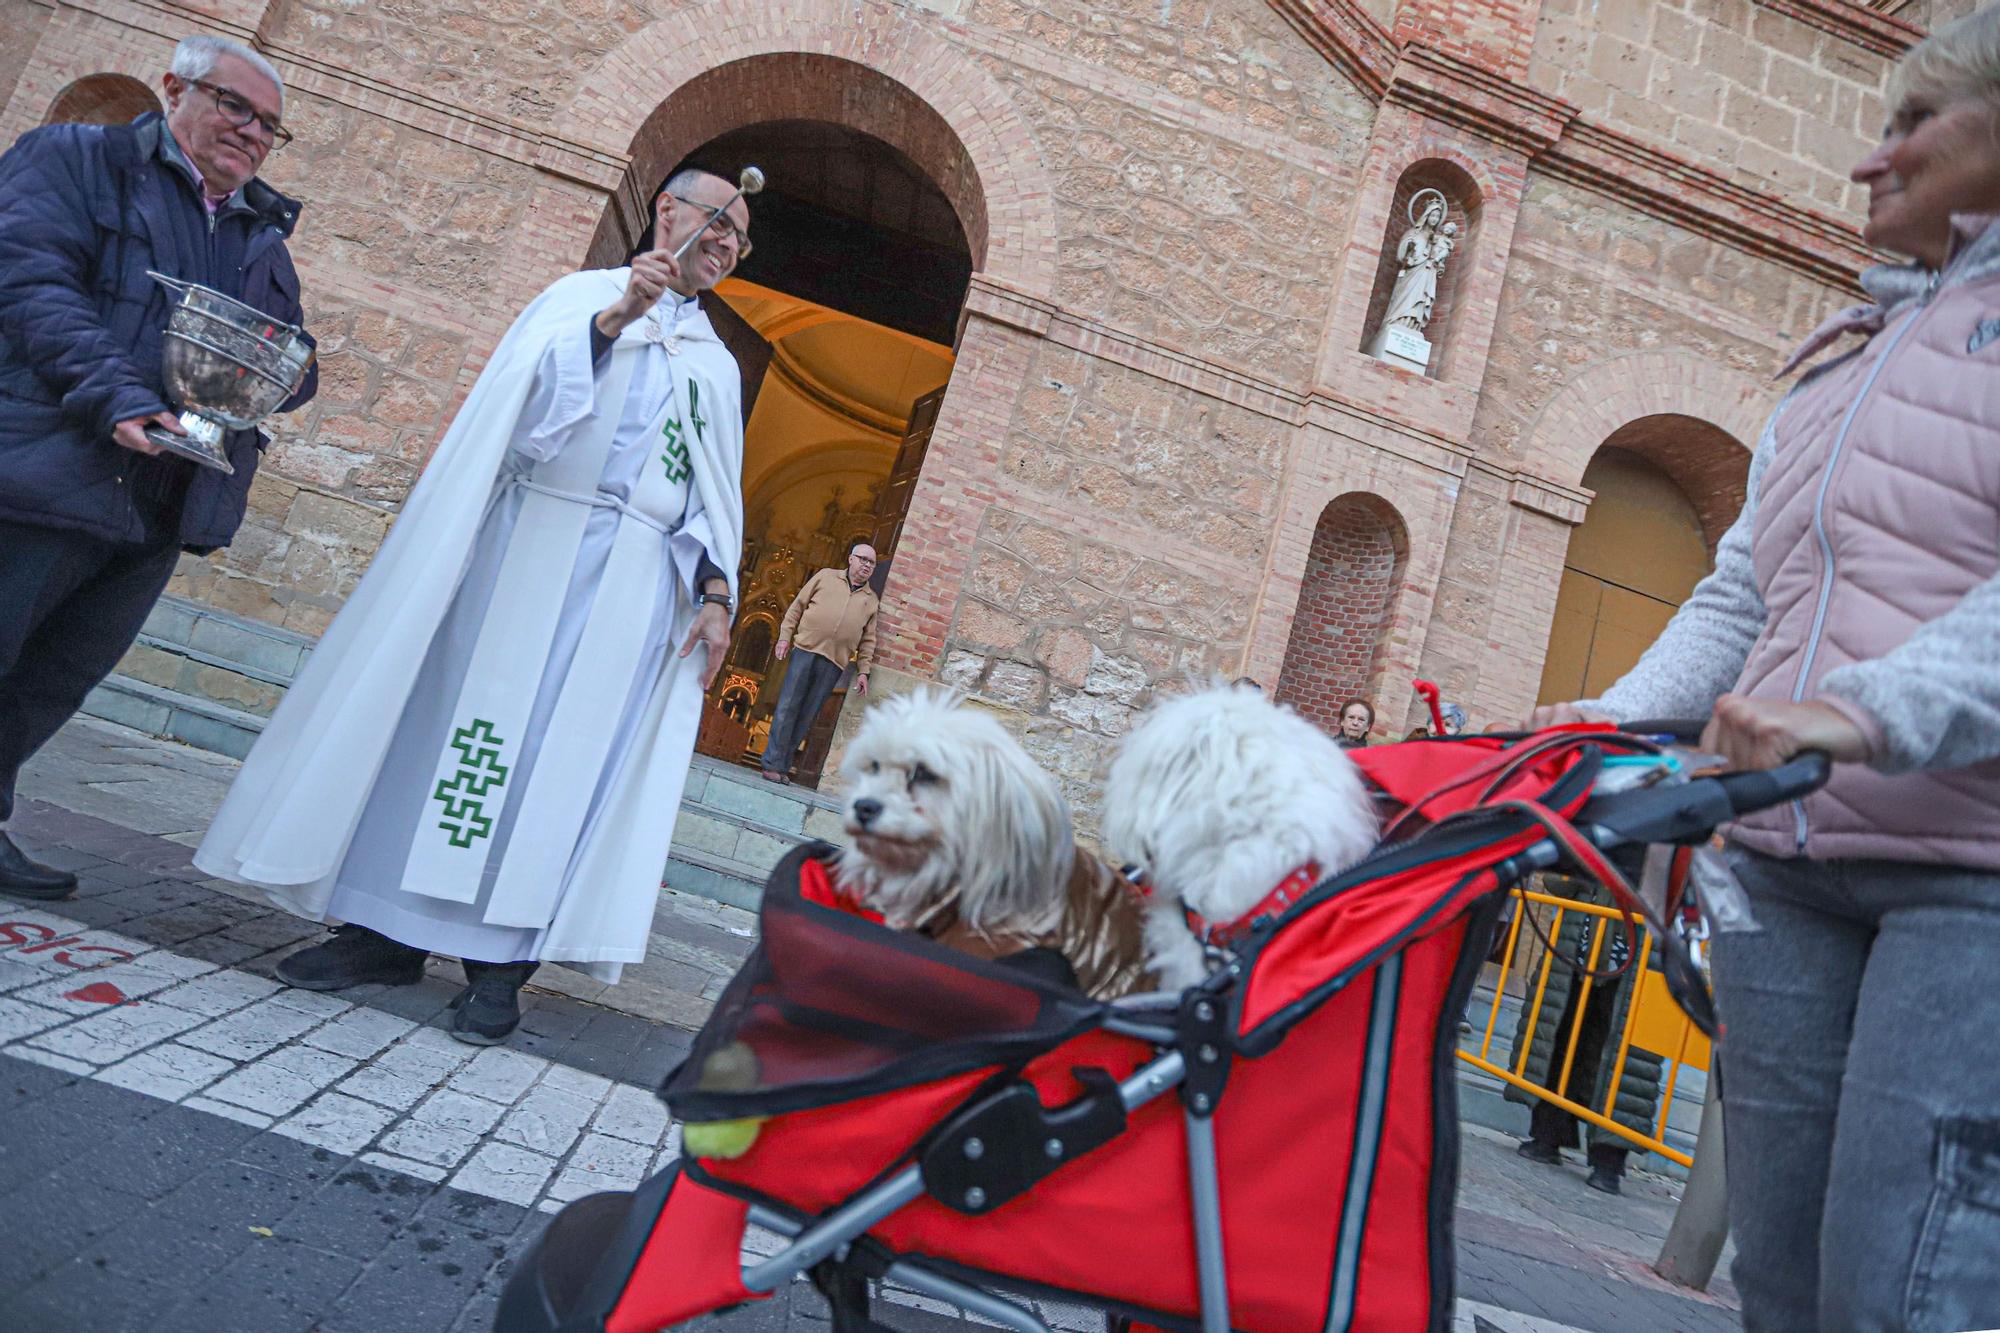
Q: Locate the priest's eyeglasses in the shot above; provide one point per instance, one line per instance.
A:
(240, 113)
(722, 226)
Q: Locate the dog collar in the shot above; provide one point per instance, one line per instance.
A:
(1289, 891)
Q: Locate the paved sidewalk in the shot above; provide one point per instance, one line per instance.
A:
(184, 1144)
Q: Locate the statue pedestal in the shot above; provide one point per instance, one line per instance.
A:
(1401, 345)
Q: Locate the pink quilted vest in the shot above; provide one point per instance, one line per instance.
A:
(1880, 509)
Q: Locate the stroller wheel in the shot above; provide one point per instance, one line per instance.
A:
(548, 1284)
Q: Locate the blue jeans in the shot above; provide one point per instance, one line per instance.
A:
(809, 681)
(1861, 1090)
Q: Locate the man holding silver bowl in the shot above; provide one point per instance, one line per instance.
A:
(93, 513)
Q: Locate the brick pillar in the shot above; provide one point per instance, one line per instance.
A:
(960, 480)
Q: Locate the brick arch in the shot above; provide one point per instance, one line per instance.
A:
(1354, 569)
(871, 66)
(1608, 395)
(1709, 465)
(101, 99)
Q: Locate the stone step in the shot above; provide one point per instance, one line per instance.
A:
(203, 653)
(722, 879)
(734, 828)
(187, 718)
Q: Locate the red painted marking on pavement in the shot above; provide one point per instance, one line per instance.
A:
(98, 992)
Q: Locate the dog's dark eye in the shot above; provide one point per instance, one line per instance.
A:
(873, 767)
(922, 774)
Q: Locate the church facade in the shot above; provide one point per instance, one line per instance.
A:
(1167, 428)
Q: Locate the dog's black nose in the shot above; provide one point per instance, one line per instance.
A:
(866, 810)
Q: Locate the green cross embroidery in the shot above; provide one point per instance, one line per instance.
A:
(679, 466)
(675, 456)
(694, 412)
(479, 771)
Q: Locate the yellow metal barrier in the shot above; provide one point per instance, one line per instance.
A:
(1653, 1022)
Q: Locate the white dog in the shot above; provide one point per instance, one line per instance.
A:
(960, 836)
(1217, 797)
(949, 814)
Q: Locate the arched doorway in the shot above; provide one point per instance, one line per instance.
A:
(1353, 570)
(1645, 543)
(101, 99)
(859, 271)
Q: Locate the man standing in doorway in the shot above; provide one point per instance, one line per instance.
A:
(93, 515)
(483, 756)
(831, 620)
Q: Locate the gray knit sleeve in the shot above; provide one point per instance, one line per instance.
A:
(1700, 654)
(1935, 700)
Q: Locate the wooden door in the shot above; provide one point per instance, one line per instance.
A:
(892, 502)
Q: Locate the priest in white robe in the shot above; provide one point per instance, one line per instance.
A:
(485, 754)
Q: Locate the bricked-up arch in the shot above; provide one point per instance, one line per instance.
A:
(868, 65)
(101, 99)
(1359, 550)
(1462, 206)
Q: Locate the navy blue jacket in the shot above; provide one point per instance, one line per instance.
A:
(85, 210)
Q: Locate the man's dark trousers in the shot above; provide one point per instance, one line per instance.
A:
(70, 605)
(809, 679)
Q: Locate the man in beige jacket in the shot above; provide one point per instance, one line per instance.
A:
(831, 620)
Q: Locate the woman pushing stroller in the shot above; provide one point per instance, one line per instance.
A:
(1855, 609)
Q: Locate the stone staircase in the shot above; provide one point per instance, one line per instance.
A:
(201, 676)
(734, 827)
(209, 679)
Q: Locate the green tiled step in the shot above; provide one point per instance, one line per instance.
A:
(734, 827)
(189, 719)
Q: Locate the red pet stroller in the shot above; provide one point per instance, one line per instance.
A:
(1275, 1150)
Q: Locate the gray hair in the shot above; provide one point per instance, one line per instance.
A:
(195, 58)
(1959, 59)
(686, 176)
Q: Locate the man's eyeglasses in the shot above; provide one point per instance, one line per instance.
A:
(240, 113)
(721, 225)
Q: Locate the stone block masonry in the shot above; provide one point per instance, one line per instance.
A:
(1177, 215)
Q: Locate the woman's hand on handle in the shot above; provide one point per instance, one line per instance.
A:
(1763, 733)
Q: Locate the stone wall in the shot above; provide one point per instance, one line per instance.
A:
(1123, 556)
(1178, 214)
(1740, 87)
(21, 25)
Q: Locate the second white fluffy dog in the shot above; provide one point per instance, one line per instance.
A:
(1218, 797)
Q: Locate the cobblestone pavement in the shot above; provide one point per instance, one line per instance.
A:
(186, 1144)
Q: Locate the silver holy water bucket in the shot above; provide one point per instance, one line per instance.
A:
(228, 366)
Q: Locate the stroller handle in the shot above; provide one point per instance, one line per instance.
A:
(1686, 730)
(1691, 811)
(1760, 789)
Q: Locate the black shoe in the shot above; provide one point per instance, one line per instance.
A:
(489, 1008)
(355, 956)
(1537, 1151)
(23, 878)
(1604, 1180)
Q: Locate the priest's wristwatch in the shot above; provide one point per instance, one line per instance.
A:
(721, 599)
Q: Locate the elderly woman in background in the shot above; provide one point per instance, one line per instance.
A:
(1357, 719)
(1855, 609)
